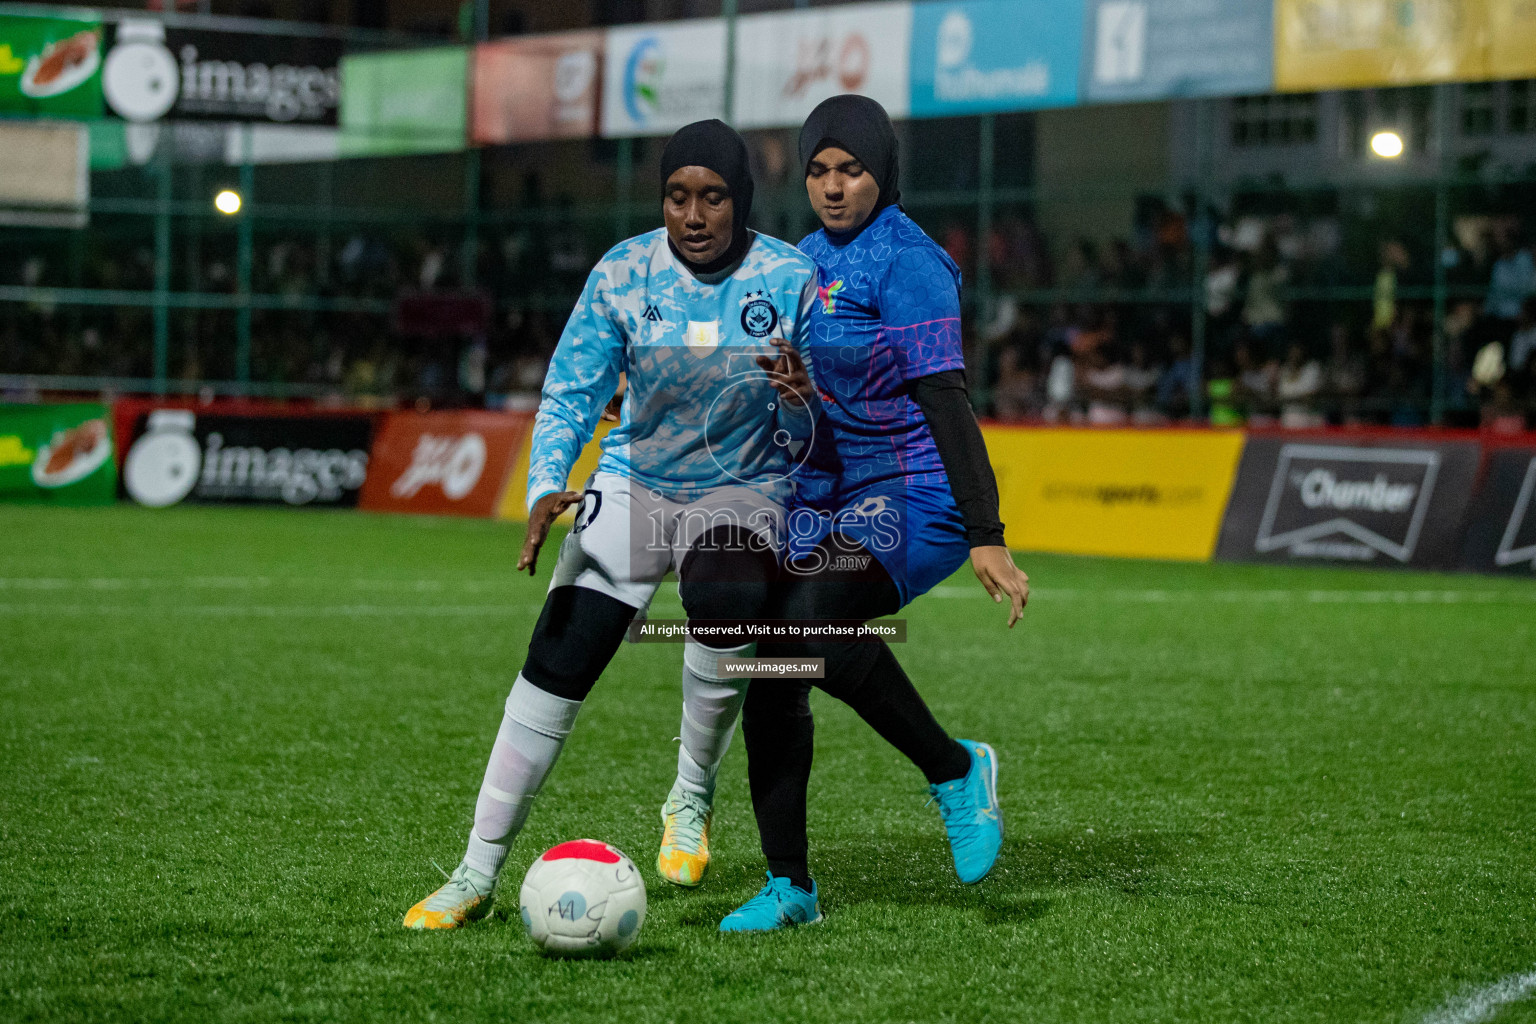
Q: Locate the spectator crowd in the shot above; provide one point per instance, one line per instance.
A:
(1303, 322)
(1292, 332)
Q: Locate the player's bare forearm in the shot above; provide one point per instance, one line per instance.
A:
(543, 515)
(993, 565)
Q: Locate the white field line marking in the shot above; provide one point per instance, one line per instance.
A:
(347, 611)
(1264, 596)
(475, 586)
(1484, 1003)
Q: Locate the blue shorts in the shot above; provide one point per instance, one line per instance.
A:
(913, 529)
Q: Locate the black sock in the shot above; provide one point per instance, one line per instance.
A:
(886, 699)
(956, 766)
(780, 735)
(798, 872)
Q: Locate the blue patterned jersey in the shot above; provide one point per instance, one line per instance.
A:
(887, 311)
(698, 411)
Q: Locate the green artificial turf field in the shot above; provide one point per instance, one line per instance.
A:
(233, 742)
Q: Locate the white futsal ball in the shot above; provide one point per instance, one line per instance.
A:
(583, 898)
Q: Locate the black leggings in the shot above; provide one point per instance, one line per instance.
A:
(777, 723)
(724, 576)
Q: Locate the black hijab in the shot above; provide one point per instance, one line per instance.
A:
(861, 126)
(713, 144)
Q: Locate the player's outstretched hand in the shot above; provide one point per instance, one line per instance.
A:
(788, 373)
(545, 511)
(994, 567)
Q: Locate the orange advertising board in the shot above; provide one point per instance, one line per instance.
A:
(443, 463)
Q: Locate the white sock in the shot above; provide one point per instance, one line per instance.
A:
(532, 732)
(711, 704)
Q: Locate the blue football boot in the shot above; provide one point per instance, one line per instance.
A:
(971, 815)
(776, 905)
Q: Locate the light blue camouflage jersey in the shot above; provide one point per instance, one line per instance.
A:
(699, 413)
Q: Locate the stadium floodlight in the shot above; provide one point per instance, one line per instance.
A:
(1387, 145)
(227, 202)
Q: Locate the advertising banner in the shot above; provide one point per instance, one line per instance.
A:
(45, 174)
(536, 88)
(1511, 39)
(1501, 530)
(58, 454)
(406, 101)
(50, 67)
(657, 78)
(1350, 44)
(1153, 49)
(788, 62)
(1129, 493)
(1375, 502)
(995, 55)
(182, 454)
(443, 463)
(153, 70)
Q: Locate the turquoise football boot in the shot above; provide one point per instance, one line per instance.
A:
(777, 905)
(971, 815)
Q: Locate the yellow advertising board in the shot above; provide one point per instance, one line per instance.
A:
(514, 501)
(1126, 493)
(1349, 44)
(1512, 38)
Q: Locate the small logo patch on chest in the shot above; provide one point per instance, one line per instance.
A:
(827, 293)
(703, 336)
(652, 314)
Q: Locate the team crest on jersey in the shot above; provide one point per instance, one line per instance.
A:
(703, 336)
(828, 295)
(758, 317)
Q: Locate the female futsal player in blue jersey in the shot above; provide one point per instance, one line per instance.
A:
(892, 500)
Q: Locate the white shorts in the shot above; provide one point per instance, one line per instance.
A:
(627, 536)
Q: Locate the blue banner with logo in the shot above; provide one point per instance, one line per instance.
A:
(986, 55)
(1152, 49)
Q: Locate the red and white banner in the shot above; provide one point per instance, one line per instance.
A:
(443, 463)
(789, 61)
